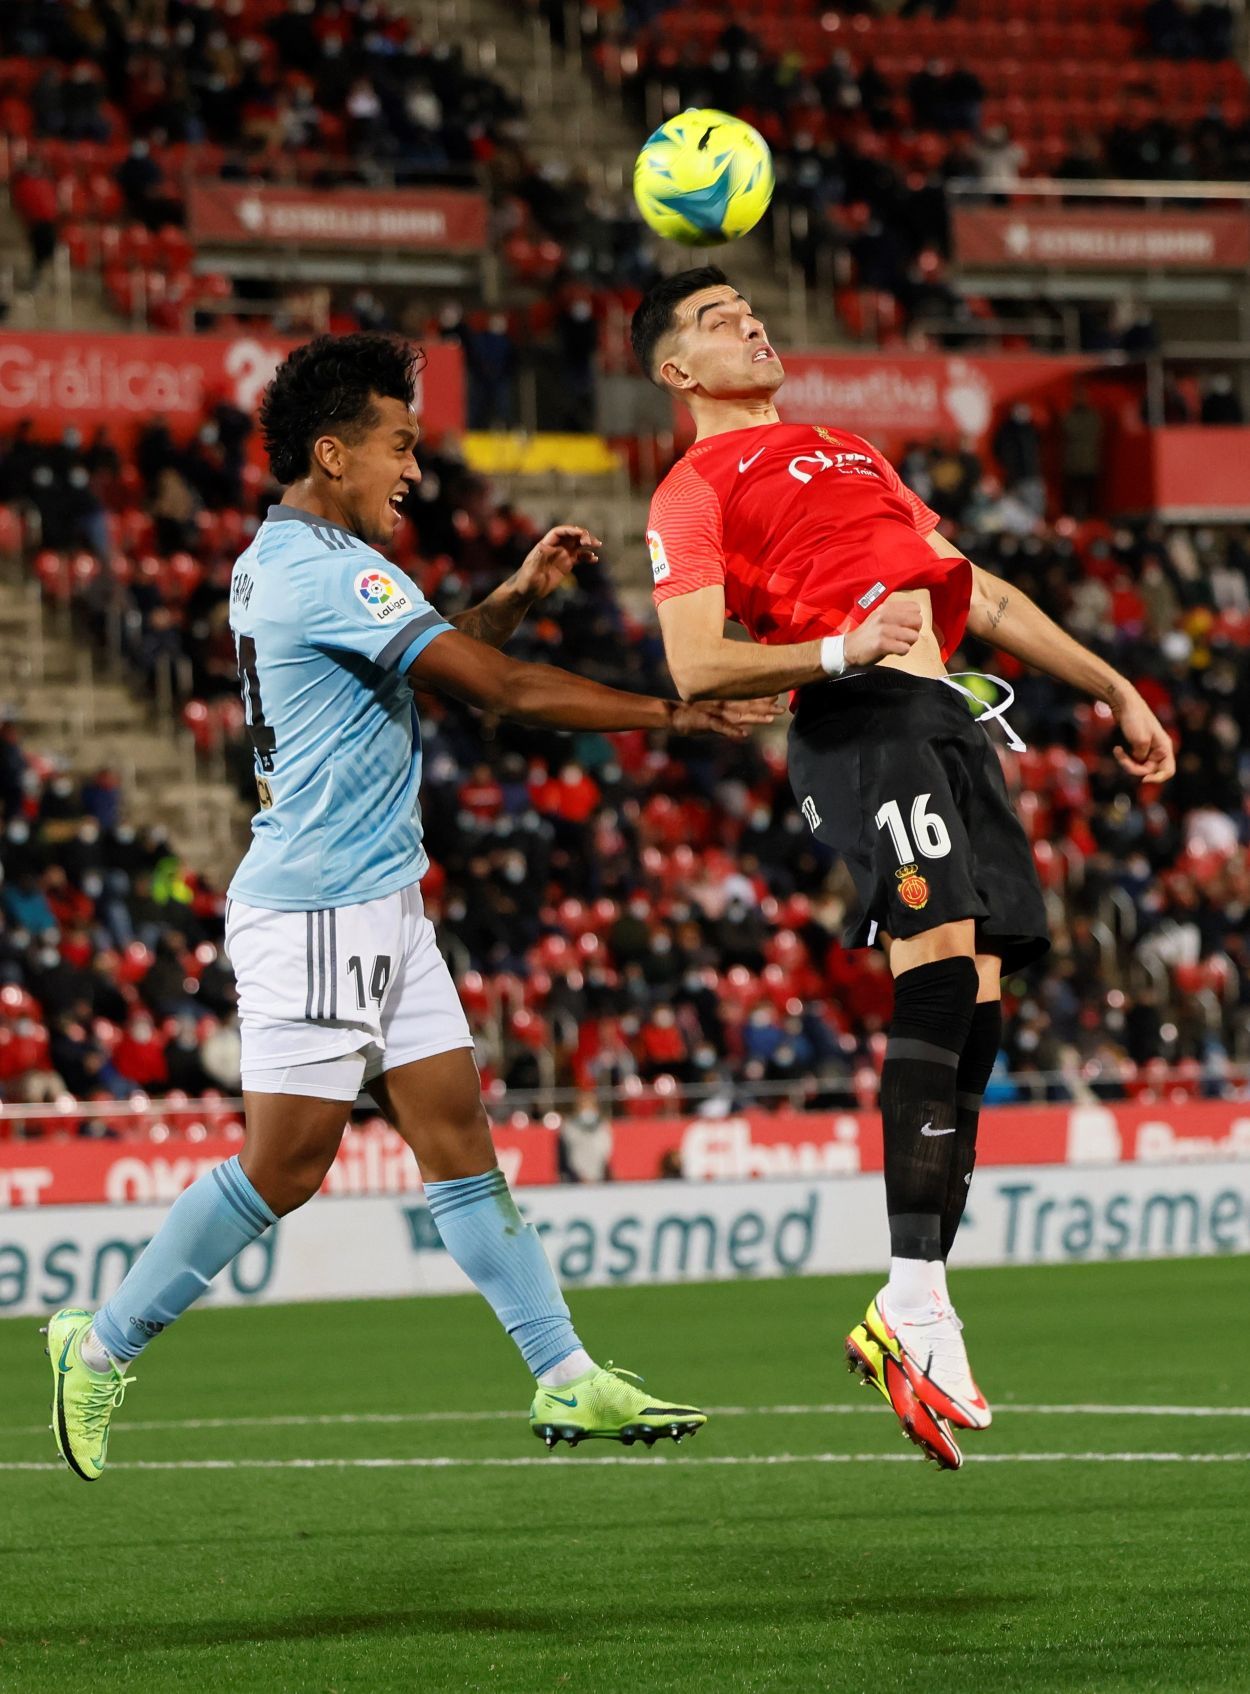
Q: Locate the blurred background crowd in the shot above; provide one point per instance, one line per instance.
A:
(627, 909)
(631, 920)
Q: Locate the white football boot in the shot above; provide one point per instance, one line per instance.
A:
(931, 1343)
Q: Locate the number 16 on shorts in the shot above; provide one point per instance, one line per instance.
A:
(924, 835)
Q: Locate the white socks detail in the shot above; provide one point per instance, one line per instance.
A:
(93, 1354)
(574, 1364)
(915, 1284)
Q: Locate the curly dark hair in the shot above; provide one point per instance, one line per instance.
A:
(331, 384)
(654, 317)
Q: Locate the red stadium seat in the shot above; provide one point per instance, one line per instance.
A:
(104, 197)
(12, 531)
(175, 248)
(52, 571)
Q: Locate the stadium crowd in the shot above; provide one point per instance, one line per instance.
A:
(870, 129)
(623, 911)
(110, 105)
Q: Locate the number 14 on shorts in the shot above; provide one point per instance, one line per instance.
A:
(378, 977)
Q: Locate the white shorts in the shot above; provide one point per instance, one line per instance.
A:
(366, 981)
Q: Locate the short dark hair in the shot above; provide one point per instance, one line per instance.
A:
(654, 317)
(331, 384)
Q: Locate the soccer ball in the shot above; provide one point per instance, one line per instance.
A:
(703, 177)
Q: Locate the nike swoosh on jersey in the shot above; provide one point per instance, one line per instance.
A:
(928, 1129)
(745, 464)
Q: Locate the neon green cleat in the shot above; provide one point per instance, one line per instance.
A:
(606, 1405)
(872, 1354)
(83, 1400)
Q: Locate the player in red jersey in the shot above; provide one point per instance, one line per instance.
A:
(806, 537)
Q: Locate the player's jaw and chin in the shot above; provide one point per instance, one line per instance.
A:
(761, 378)
(380, 530)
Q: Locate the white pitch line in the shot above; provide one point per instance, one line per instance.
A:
(730, 1459)
(334, 1420)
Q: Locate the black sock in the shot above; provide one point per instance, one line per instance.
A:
(933, 1007)
(975, 1064)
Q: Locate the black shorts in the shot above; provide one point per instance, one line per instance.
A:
(895, 775)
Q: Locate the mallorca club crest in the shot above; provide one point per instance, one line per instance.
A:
(913, 889)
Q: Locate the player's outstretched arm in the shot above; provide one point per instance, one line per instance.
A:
(708, 665)
(547, 564)
(1008, 619)
(468, 670)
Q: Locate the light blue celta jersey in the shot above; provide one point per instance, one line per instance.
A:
(324, 628)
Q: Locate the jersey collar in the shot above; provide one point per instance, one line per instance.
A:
(293, 514)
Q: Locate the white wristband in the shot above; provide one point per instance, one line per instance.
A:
(833, 655)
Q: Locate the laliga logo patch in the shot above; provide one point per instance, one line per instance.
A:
(660, 567)
(913, 889)
(381, 595)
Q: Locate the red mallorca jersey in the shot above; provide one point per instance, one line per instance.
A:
(807, 528)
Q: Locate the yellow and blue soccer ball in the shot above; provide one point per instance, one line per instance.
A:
(703, 177)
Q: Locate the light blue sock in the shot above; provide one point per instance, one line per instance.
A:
(503, 1256)
(206, 1227)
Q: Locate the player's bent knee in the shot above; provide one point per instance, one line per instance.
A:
(286, 1176)
(291, 1143)
(287, 1190)
(452, 1143)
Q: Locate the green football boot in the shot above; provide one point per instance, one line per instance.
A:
(608, 1404)
(83, 1400)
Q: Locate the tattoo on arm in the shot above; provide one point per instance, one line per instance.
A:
(999, 613)
(494, 621)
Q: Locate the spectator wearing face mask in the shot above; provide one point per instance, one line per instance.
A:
(213, 476)
(83, 1062)
(34, 201)
(174, 507)
(1018, 448)
(490, 366)
(12, 771)
(86, 512)
(1082, 432)
(185, 1069)
(662, 1046)
(26, 906)
(577, 336)
(101, 797)
(1220, 401)
(140, 1054)
(585, 1147)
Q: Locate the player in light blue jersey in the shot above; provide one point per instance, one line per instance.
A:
(341, 985)
(325, 631)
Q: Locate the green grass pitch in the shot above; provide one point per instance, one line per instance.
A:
(1051, 1562)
